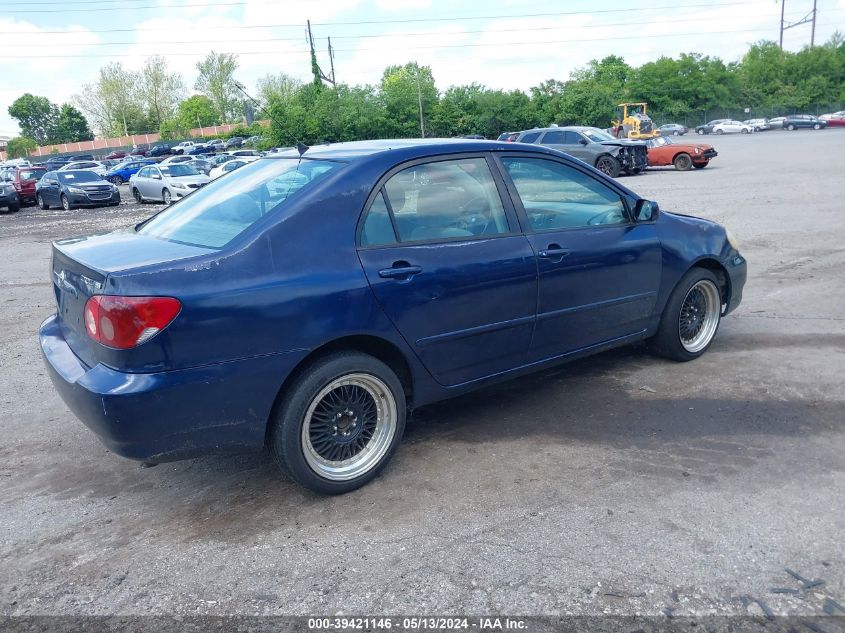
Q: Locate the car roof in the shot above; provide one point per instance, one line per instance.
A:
(400, 148)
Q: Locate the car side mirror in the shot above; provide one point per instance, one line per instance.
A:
(583, 141)
(646, 211)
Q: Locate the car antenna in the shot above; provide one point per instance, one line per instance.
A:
(302, 148)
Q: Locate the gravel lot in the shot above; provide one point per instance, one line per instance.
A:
(620, 484)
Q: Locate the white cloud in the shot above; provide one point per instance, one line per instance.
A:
(402, 5)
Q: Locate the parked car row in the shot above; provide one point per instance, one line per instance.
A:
(791, 122)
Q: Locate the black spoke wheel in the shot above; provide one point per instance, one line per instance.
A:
(608, 165)
(339, 423)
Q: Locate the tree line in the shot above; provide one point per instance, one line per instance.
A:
(407, 103)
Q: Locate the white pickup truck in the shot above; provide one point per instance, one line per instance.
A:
(181, 147)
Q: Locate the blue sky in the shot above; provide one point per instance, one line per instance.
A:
(462, 41)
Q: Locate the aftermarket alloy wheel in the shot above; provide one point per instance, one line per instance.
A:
(608, 165)
(691, 318)
(339, 423)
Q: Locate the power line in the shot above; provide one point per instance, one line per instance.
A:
(407, 20)
(417, 34)
(405, 48)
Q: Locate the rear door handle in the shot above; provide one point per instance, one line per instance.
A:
(403, 271)
(554, 253)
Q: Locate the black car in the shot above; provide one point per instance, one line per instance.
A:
(75, 188)
(9, 198)
(795, 121)
(707, 128)
(77, 157)
(235, 141)
(57, 161)
(159, 150)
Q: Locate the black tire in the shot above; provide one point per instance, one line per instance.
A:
(608, 165)
(286, 437)
(683, 162)
(137, 195)
(66, 205)
(719, 132)
(41, 204)
(667, 341)
(166, 196)
(817, 126)
(701, 165)
(116, 180)
(744, 131)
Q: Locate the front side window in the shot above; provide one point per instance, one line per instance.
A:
(557, 197)
(571, 138)
(220, 211)
(446, 199)
(530, 137)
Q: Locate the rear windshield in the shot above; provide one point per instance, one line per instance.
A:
(214, 215)
(32, 174)
(178, 170)
(77, 176)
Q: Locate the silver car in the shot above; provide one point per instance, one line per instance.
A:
(165, 183)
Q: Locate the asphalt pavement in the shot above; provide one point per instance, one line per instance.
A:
(618, 484)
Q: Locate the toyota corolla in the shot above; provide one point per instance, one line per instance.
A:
(308, 304)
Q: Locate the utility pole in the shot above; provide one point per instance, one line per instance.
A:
(419, 99)
(810, 17)
(315, 67)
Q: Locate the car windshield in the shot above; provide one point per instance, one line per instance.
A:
(176, 170)
(32, 174)
(660, 140)
(77, 176)
(216, 214)
(596, 135)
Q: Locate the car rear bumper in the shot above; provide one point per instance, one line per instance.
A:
(167, 415)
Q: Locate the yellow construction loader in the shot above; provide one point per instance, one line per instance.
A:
(633, 122)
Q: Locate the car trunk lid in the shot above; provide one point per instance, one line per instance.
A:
(81, 268)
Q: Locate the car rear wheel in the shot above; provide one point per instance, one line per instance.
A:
(339, 423)
(691, 318)
(790, 127)
(720, 132)
(817, 126)
(682, 162)
(166, 196)
(701, 132)
(744, 131)
(65, 203)
(608, 165)
(116, 180)
(41, 204)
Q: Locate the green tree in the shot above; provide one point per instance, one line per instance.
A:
(20, 147)
(172, 129)
(403, 90)
(198, 111)
(159, 89)
(71, 126)
(36, 117)
(278, 86)
(216, 80)
(113, 102)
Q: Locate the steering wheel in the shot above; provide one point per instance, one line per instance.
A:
(475, 216)
(602, 218)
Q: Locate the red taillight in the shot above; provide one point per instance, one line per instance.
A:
(124, 322)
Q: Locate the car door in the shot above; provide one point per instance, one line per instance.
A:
(599, 272)
(49, 190)
(576, 145)
(448, 265)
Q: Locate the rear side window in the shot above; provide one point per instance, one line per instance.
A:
(555, 137)
(214, 215)
(446, 200)
(557, 197)
(530, 137)
(378, 229)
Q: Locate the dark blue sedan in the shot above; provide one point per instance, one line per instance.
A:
(309, 302)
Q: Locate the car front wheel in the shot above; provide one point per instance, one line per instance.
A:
(691, 317)
(65, 203)
(817, 127)
(166, 196)
(608, 165)
(116, 180)
(339, 423)
(790, 127)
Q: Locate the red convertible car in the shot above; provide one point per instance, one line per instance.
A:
(663, 151)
